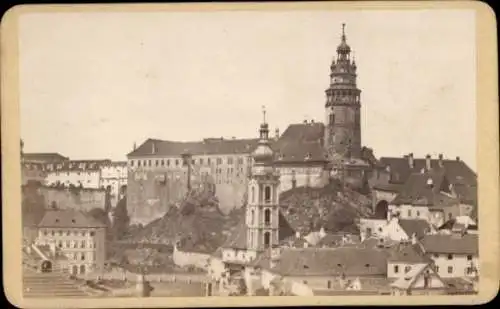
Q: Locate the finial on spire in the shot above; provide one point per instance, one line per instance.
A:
(343, 32)
(264, 113)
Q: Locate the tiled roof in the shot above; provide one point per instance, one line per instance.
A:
(300, 141)
(454, 244)
(425, 189)
(415, 226)
(467, 194)
(349, 261)
(456, 170)
(406, 253)
(68, 218)
(44, 157)
(212, 146)
(337, 240)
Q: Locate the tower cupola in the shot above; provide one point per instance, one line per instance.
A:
(263, 154)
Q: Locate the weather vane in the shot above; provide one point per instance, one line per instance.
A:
(264, 113)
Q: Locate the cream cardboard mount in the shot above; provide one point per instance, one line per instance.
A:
(158, 155)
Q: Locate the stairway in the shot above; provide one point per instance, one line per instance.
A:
(54, 284)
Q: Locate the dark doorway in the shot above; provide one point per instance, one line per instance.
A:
(46, 266)
(82, 269)
(267, 217)
(381, 209)
(74, 270)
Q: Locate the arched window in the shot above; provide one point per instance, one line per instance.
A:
(82, 269)
(267, 194)
(267, 217)
(267, 239)
(332, 119)
(253, 194)
(252, 217)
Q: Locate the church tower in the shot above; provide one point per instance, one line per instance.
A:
(262, 213)
(342, 109)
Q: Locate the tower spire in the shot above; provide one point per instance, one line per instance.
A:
(343, 32)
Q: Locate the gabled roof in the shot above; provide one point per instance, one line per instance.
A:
(457, 223)
(68, 218)
(453, 244)
(209, 146)
(456, 170)
(430, 188)
(350, 261)
(418, 227)
(410, 278)
(300, 141)
(406, 253)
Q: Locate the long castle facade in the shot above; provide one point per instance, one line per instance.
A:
(160, 172)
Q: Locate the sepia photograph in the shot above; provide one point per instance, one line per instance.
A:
(220, 152)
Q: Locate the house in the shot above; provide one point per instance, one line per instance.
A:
(422, 279)
(427, 195)
(371, 227)
(79, 238)
(390, 179)
(329, 269)
(405, 229)
(43, 158)
(455, 255)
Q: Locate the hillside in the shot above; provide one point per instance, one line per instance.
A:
(333, 207)
(197, 223)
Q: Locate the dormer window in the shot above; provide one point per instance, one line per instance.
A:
(308, 156)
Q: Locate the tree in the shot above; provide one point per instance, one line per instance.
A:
(121, 219)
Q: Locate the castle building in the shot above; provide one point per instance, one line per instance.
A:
(306, 154)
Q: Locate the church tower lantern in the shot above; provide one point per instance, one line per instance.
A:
(342, 109)
(262, 213)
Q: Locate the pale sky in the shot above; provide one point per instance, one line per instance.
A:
(92, 84)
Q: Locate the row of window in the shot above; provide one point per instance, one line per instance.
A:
(80, 256)
(77, 173)
(267, 217)
(179, 162)
(75, 245)
(67, 233)
(450, 257)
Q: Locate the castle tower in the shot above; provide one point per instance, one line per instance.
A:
(262, 213)
(342, 108)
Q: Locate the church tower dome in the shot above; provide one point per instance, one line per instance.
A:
(263, 154)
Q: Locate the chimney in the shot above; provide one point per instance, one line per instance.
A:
(312, 121)
(306, 244)
(410, 160)
(135, 146)
(277, 133)
(430, 183)
(458, 158)
(153, 148)
(305, 121)
(428, 162)
(440, 160)
(297, 234)
(414, 239)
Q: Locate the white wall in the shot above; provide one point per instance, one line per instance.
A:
(394, 231)
(458, 263)
(88, 179)
(230, 254)
(403, 268)
(304, 176)
(374, 226)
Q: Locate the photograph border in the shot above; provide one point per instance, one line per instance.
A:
(486, 148)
